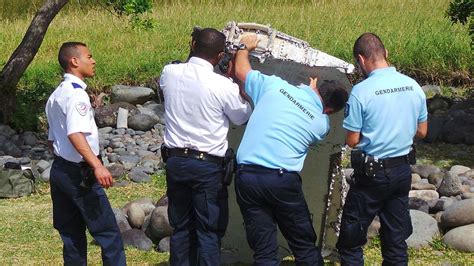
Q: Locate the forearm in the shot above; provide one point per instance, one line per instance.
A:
(422, 130)
(352, 138)
(242, 65)
(80, 143)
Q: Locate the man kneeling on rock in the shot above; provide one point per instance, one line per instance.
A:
(77, 174)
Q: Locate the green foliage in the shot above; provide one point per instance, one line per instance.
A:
(134, 9)
(461, 11)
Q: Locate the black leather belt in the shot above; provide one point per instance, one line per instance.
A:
(190, 153)
(395, 161)
(255, 167)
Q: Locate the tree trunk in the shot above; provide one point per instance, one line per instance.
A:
(24, 54)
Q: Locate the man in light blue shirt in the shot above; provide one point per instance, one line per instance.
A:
(383, 115)
(285, 121)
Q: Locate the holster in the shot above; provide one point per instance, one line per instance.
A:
(164, 152)
(88, 176)
(229, 167)
(358, 161)
(412, 155)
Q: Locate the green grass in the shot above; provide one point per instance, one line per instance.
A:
(419, 37)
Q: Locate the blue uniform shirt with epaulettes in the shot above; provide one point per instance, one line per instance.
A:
(386, 109)
(285, 121)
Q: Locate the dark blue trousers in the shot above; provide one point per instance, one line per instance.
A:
(267, 198)
(385, 195)
(75, 208)
(197, 209)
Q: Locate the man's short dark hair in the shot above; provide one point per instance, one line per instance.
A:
(370, 46)
(334, 95)
(68, 50)
(209, 43)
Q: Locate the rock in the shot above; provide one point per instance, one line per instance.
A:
(460, 238)
(423, 186)
(144, 203)
(46, 174)
(133, 95)
(105, 130)
(418, 204)
(435, 128)
(159, 224)
(465, 188)
(137, 238)
(467, 195)
(437, 216)
(141, 122)
(136, 215)
(42, 165)
(459, 213)
(113, 157)
(138, 176)
(122, 221)
(450, 186)
(116, 170)
(129, 161)
(106, 116)
(25, 160)
(163, 201)
(374, 227)
(415, 178)
(150, 112)
(427, 89)
(423, 194)
(164, 245)
(425, 228)
(424, 170)
(438, 103)
(458, 169)
(440, 204)
(469, 174)
(120, 183)
(122, 117)
(29, 138)
(6, 130)
(11, 149)
(436, 178)
(146, 170)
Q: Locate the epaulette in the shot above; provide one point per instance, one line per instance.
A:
(76, 86)
(176, 62)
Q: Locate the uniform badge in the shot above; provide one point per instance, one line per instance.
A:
(81, 108)
(346, 110)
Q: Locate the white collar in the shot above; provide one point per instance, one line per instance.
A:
(201, 62)
(75, 79)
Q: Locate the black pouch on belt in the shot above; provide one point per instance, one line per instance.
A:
(88, 176)
(164, 152)
(229, 166)
(358, 161)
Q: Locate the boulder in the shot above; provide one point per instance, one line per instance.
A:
(137, 238)
(159, 224)
(425, 228)
(469, 174)
(29, 138)
(415, 178)
(460, 238)
(133, 95)
(436, 178)
(467, 195)
(441, 204)
(435, 89)
(163, 201)
(10, 148)
(164, 245)
(423, 194)
(106, 116)
(423, 186)
(145, 203)
(450, 186)
(122, 220)
(418, 204)
(136, 215)
(116, 170)
(424, 170)
(141, 122)
(374, 227)
(138, 176)
(45, 175)
(438, 103)
(459, 213)
(129, 161)
(435, 128)
(458, 169)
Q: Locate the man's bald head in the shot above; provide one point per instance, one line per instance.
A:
(370, 47)
(208, 43)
